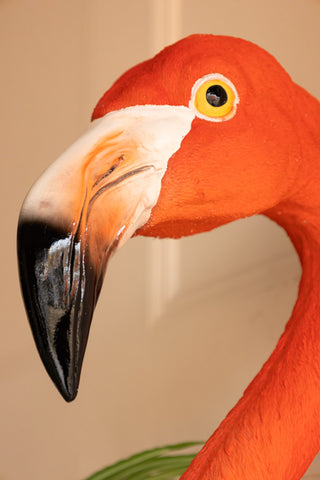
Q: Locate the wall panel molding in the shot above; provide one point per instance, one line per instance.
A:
(163, 256)
(166, 23)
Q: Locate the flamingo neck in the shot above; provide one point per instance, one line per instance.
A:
(274, 430)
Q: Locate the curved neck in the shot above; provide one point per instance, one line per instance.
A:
(274, 430)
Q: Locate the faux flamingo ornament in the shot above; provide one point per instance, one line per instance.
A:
(210, 130)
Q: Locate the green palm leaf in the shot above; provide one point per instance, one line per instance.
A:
(164, 463)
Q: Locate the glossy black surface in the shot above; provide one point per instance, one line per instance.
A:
(216, 96)
(60, 290)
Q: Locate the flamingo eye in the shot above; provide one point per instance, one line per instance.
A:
(214, 98)
(216, 95)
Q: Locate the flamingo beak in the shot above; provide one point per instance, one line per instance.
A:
(80, 211)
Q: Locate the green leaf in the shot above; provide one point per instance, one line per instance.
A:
(156, 464)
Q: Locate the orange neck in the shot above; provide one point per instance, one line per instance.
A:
(274, 430)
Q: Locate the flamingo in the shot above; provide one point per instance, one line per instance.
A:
(210, 130)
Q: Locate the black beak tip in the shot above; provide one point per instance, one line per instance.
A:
(67, 392)
(60, 321)
(63, 374)
(69, 396)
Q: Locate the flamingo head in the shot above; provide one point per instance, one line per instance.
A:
(204, 133)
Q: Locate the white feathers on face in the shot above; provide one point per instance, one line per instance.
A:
(156, 131)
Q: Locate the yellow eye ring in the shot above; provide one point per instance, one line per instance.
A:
(214, 98)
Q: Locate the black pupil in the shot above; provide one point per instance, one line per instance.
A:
(216, 96)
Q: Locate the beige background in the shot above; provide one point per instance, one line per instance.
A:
(181, 327)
